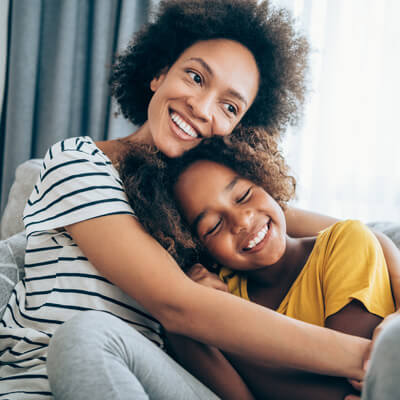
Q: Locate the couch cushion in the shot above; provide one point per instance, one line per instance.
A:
(25, 178)
(12, 251)
(390, 229)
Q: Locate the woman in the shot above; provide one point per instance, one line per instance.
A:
(199, 70)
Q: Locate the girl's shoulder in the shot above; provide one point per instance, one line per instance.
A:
(347, 230)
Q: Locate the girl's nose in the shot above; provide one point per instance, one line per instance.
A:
(241, 220)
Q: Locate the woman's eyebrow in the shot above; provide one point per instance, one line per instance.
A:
(203, 64)
(232, 92)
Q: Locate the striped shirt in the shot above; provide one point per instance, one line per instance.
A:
(77, 182)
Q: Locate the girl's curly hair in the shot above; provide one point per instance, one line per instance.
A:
(149, 178)
(280, 53)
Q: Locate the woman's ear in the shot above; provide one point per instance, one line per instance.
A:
(158, 79)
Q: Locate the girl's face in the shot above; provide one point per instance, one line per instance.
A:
(205, 92)
(240, 224)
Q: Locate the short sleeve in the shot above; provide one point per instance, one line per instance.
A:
(355, 268)
(77, 182)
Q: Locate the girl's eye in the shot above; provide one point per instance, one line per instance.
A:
(244, 197)
(214, 228)
(230, 108)
(195, 77)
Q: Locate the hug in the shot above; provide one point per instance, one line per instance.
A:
(142, 253)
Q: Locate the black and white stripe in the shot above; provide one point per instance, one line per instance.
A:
(77, 182)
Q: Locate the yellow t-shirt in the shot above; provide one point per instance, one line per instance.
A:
(346, 263)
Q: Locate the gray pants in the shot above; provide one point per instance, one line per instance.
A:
(97, 356)
(383, 378)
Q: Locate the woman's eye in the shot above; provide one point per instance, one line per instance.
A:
(195, 77)
(214, 228)
(244, 197)
(230, 108)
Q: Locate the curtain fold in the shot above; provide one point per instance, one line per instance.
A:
(345, 154)
(59, 58)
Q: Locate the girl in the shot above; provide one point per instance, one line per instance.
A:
(228, 194)
(197, 71)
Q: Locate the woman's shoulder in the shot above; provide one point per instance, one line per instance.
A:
(77, 181)
(75, 148)
(74, 155)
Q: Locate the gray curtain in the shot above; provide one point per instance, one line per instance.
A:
(59, 58)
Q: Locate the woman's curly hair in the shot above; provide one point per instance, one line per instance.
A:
(280, 53)
(149, 178)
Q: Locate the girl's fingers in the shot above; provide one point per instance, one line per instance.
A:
(356, 384)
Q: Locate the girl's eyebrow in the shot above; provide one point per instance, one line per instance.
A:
(232, 92)
(232, 183)
(229, 187)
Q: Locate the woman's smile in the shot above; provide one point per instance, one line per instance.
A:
(205, 92)
(182, 127)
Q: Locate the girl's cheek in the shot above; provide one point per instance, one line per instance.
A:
(223, 249)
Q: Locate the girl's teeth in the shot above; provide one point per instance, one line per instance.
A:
(183, 125)
(260, 236)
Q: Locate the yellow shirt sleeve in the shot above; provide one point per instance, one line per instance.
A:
(355, 268)
(346, 263)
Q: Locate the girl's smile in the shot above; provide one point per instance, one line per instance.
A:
(240, 224)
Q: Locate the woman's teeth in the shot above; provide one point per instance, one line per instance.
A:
(183, 125)
(260, 236)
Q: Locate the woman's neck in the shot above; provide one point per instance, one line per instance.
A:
(115, 148)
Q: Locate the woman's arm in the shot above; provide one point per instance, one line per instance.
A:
(288, 384)
(125, 254)
(392, 257)
(302, 223)
(205, 362)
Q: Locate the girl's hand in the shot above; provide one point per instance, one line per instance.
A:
(375, 335)
(358, 384)
(203, 276)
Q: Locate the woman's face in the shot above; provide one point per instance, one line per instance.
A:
(205, 92)
(240, 224)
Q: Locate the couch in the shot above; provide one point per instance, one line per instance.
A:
(12, 237)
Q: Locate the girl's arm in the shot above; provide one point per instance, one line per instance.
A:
(209, 366)
(302, 223)
(130, 258)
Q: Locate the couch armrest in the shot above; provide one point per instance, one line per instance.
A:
(25, 178)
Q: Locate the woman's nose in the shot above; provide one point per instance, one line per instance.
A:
(201, 106)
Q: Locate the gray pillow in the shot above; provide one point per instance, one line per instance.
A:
(12, 252)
